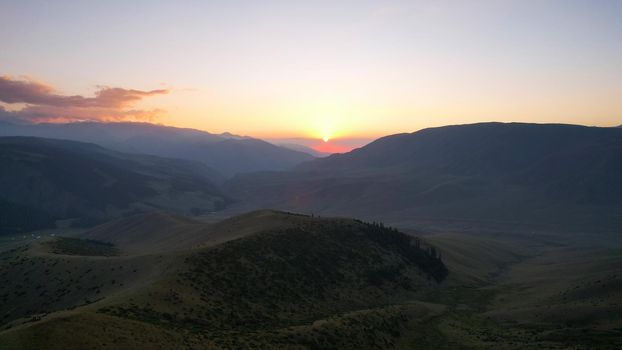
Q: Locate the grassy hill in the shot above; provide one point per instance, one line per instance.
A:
(272, 280)
(43, 180)
(308, 283)
(557, 175)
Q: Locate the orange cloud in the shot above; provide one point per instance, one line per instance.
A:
(43, 104)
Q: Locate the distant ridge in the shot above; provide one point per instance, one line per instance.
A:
(229, 154)
(43, 180)
(555, 174)
(305, 149)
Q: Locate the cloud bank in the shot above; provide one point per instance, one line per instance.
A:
(41, 103)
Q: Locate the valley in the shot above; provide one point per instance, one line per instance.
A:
(528, 176)
(433, 240)
(268, 280)
(311, 175)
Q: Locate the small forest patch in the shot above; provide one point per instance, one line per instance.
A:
(83, 247)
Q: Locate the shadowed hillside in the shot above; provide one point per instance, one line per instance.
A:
(160, 231)
(275, 286)
(272, 280)
(43, 180)
(560, 175)
(227, 153)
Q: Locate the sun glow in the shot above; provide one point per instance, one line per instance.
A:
(325, 127)
(326, 134)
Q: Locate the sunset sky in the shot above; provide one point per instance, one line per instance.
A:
(349, 70)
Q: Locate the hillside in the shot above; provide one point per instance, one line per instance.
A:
(161, 231)
(309, 283)
(560, 175)
(303, 148)
(273, 280)
(44, 180)
(229, 154)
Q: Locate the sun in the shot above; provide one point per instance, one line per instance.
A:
(325, 128)
(326, 134)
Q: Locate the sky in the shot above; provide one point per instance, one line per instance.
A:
(349, 71)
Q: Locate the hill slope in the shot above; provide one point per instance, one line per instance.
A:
(228, 153)
(272, 280)
(521, 173)
(311, 282)
(43, 180)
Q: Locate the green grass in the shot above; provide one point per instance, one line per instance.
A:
(313, 283)
(290, 277)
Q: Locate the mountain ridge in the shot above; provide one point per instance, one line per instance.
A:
(59, 179)
(513, 172)
(228, 153)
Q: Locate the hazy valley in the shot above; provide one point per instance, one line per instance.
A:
(482, 236)
(311, 175)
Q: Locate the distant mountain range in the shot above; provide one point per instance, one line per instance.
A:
(149, 277)
(536, 174)
(518, 173)
(42, 180)
(229, 154)
(303, 148)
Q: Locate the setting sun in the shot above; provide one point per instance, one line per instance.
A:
(356, 174)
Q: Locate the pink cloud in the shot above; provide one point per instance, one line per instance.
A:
(44, 104)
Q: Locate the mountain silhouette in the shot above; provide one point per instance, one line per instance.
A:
(43, 180)
(549, 173)
(229, 154)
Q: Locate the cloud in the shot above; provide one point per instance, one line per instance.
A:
(7, 115)
(43, 104)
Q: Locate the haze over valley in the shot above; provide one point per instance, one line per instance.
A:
(328, 175)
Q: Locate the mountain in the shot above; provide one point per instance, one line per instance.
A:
(229, 154)
(519, 173)
(274, 280)
(305, 149)
(44, 180)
